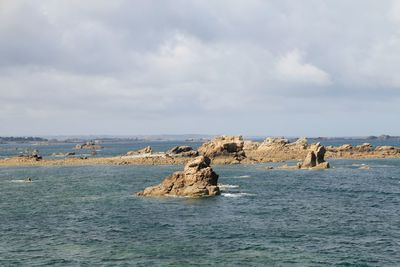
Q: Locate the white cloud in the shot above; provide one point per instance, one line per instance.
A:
(293, 69)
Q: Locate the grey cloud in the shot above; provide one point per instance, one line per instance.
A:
(161, 64)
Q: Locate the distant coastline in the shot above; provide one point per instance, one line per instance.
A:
(163, 138)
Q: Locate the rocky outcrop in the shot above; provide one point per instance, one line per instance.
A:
(146, 150)
(89, 145)
(224, 149)
(196, 180)
(277, 149)
(315, 158)
(182, 151)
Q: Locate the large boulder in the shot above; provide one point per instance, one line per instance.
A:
(310, 160)
(182, 151)
(224, 146)
(196, 180)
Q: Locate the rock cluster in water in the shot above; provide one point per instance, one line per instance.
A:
(89, 145)
(196, 180)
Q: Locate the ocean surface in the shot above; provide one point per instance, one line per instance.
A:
(89, 216)
(120, 148)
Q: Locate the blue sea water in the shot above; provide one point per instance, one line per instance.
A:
(109, 149)
(89, 216)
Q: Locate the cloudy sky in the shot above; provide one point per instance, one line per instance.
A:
(282, 67)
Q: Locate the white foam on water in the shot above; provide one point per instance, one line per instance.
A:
(236, 194)
(222, 186)
(241, 176)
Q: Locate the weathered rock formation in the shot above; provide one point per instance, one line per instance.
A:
(89, 145)
(315, 158)
(182, 151)
(146, 150)
(224, 149)
(196, 180)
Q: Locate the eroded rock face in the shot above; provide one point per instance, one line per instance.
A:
(225, 147)
(196, 180)
(183, 151)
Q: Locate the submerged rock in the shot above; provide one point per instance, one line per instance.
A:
(196, 180)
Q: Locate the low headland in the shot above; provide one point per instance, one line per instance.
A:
(221, 150)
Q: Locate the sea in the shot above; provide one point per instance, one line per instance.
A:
(90, 216)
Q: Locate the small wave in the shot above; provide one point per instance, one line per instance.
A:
(236, 194)
(20, 181)
(241, 176)
(228, 186)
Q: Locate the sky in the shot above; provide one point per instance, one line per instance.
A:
(250, 67)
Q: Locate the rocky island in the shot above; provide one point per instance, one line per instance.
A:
(196, 180)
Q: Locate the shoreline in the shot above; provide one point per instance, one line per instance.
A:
(153, 161)
(223, 150)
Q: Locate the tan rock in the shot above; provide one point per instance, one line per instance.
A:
(271, 143)
(229, 148)
(315, 158)
(250, 145)
(183, 151)
(344, 147)
(196, 180)
(384, 148)
(364, 147)
(146, 150)
(310, 160)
